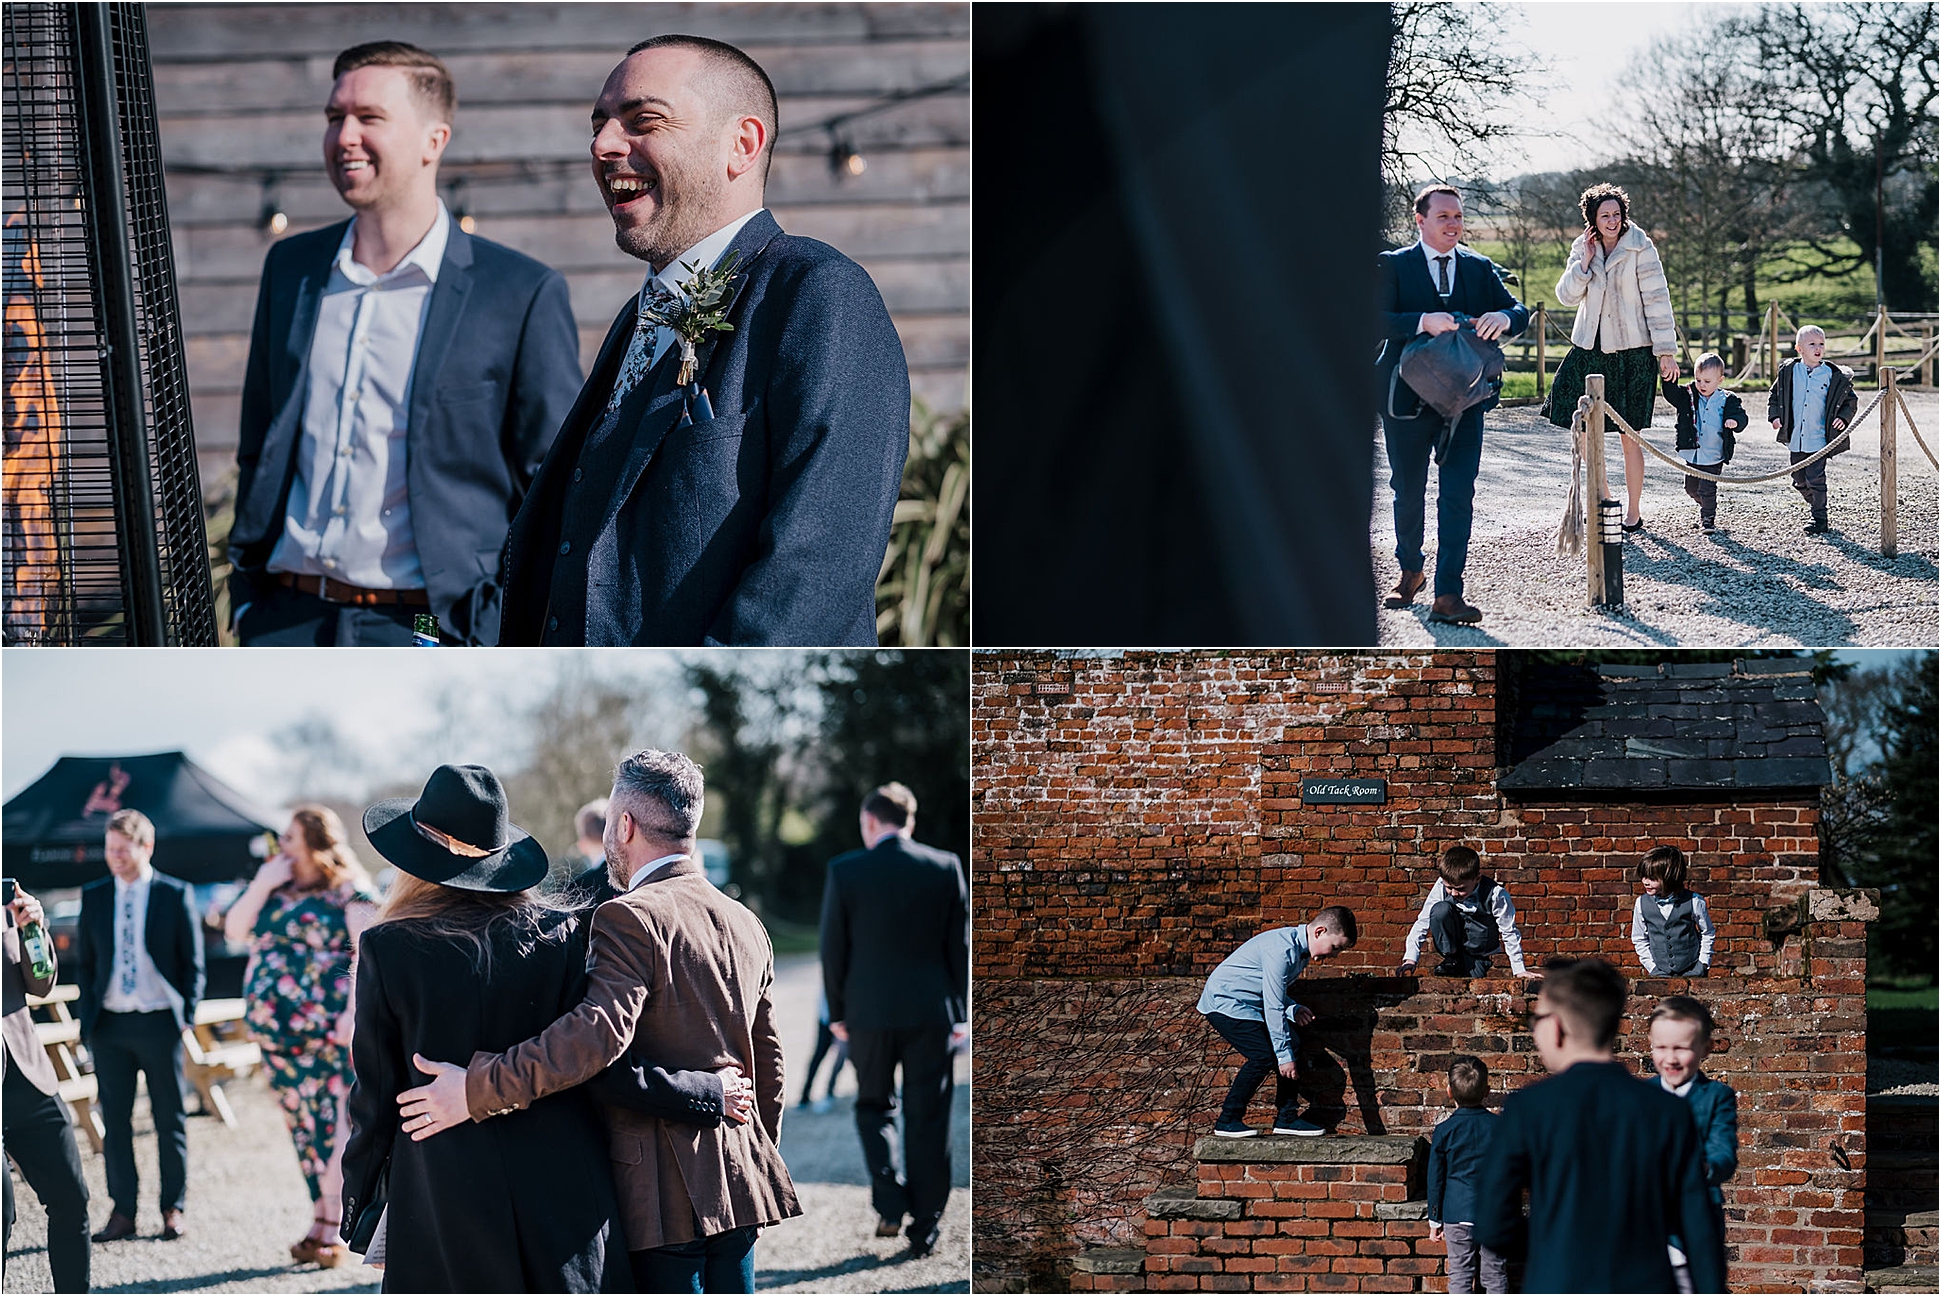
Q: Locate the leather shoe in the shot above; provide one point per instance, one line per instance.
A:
(119, 1226)
(173, 1226)
(1406, 589)
(887, 1227)
(923, 1238)
(1451, 610)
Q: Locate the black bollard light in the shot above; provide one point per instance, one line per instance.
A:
(1610, 534)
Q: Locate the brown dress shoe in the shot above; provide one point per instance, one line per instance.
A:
(1451, 610)
(173, 1226)
(1405, 590)
(119, 1226)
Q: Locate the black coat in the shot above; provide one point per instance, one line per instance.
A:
(171, 932)
(895, 937)
(521, 1203)
(764, 525)
(1614, 1170)
(497, 367)
(1682, 402)
(1841, 403)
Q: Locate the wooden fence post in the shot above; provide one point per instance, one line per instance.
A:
(1927, 365)
(1594, 489)
(1880, 345)
(1772, 343)
(1889, 468)
(1542, 320)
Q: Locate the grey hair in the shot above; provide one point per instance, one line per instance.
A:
(667, 780)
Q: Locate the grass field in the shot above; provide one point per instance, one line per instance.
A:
(1902, 997)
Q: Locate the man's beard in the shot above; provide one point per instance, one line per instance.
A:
(616, 870)
(679, 225)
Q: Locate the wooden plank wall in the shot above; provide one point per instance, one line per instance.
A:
(240, 91)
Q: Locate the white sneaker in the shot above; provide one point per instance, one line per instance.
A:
(1301, 1128)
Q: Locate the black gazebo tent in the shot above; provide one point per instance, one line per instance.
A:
(53, 831)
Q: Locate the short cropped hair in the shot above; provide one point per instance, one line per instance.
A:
(1597, 195)
(134, 825)
(1430, 191)
(1340, 920)
(1590, 992)
(736, 79)
(662, 790)
(891, 804)
(1459, 864)
(1685, 1008)
(1710, 360)
(1804, 329)
(431, 80)
(1664, 864)
(590, 820)
(1468, 1080)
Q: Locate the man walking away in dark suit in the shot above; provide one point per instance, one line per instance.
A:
(748, 501)
(37, 1133)
(404, 381)
(591, 886)
(896, 968)
(1613, 1166)
(138, 956)
(1422, 288)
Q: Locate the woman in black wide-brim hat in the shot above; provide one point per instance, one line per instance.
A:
(463, 957)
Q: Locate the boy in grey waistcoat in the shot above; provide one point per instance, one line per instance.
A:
(1468, 917)
(1670, 927)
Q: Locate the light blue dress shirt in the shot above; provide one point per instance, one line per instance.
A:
(1710, 417)
(1810, 387)
(1253, 982)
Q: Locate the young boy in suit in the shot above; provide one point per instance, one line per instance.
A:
(1468, 916)
(1708, 418)
(1670, 927)
(1246, 1002)
(1681, 1040)
(1456, 1156)
(1811, 403)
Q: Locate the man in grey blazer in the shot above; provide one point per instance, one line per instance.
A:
(405, 380)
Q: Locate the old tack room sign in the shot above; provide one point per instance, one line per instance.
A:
(1340, 791)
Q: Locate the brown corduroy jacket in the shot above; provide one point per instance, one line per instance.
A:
(679, 974)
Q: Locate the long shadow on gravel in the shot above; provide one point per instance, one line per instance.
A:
(200, 1282)
(1765, 592)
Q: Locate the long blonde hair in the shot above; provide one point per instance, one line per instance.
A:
(464, 918)
(329, 847)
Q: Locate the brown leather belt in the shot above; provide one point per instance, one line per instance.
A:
(335, 591)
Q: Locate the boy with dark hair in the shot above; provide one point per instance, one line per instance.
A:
(1468, 916)
(1613, 1167)
(1246, 1001)
(1456, 1156)
(1670, 927)
(1681, 1040)
(1708, 418)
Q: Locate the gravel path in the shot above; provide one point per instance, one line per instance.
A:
(247, 1201)
(1758, 581)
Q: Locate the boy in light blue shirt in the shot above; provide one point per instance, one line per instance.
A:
(1709, 418)
(1810, 403)
(1246, 1001)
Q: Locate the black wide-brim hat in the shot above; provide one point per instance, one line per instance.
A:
(458, 833)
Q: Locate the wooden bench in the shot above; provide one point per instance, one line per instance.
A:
(59, 1037)
(217, 1050)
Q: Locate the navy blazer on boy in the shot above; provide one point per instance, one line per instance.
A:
(496, 370)
(1715, 1108)
(1614, 1171)
(765, 524)
(1407, 292)
(1457, 1154)
(171, 932)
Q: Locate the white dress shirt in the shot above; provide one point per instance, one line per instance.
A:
(350, 510)
(1435, 271)
(1500, 908)
(140, 987)
(652, 867)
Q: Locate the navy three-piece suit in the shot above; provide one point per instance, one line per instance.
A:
(763, 524)
(1406, 293)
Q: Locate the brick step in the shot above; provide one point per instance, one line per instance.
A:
(1915, 1278)
(1896, 1237)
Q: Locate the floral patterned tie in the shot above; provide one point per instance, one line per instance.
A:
(127, 940)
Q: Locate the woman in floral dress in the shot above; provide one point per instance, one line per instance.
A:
(301, 917)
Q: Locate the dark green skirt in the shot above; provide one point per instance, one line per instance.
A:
(1630, 384)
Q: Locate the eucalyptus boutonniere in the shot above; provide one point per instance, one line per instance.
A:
(699, 308)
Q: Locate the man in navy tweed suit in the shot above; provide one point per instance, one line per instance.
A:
(751, 503)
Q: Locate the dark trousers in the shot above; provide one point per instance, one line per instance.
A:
(1451, 936)
(825, 1039)
(721, 1262)
(1811, 483)
(1411, 446)
(1251, 1039)
(928, 1083)
(285, 618)
(41, 1143)
(150, 1043)
(1705, 492)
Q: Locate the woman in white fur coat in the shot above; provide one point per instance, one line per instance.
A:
(1623, 328)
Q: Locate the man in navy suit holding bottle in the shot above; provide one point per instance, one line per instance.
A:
(1424, 287)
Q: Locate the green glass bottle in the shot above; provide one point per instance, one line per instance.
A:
(424, 630)
(39, 953)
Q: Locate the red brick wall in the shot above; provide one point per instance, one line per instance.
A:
(1138, 817)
